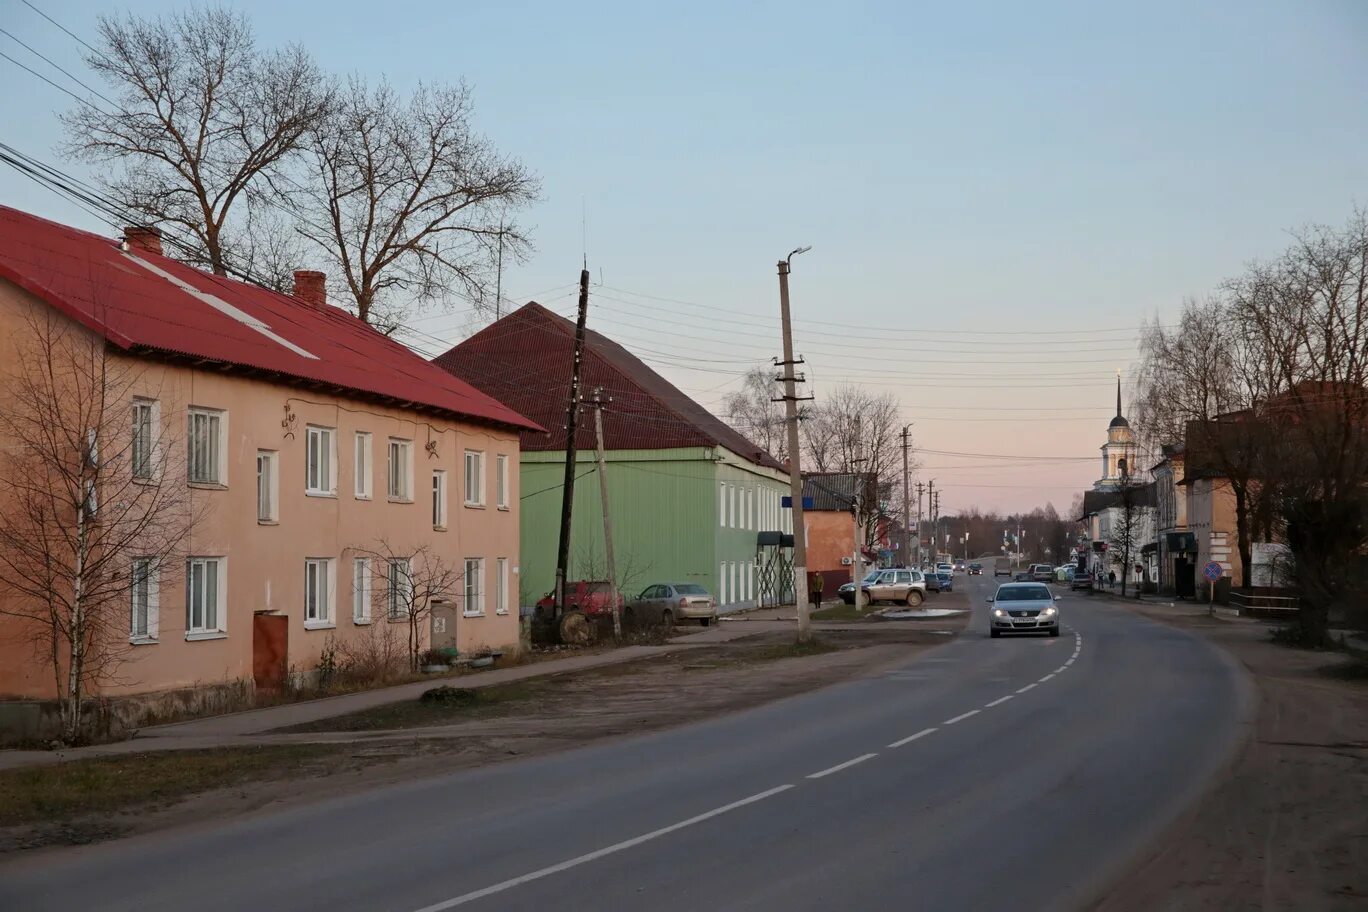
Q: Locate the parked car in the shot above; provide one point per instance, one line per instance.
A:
(976, 569)
(947, 582)
(1023, 608)
(895, 585)
(1082, 579)
(933, 582)
(1042, 573)
(1002, 566)
(592, 597)
(945, 568)
(668, 603)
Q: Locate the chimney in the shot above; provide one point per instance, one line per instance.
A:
(310, 287)
(144, 238)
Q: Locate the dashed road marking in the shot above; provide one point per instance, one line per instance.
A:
(1046, 678)
(910, 738)
(598, 853)
(961, 717)
(998, 701)
(1026, 688)
(1061, 669)
(840, 766)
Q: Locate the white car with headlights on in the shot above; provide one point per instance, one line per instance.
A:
(1023, 608)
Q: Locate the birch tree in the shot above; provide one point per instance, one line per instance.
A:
(93, 507)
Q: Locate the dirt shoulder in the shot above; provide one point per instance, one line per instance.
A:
(554, 713)
(1286, 825)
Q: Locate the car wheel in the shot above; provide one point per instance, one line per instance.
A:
(667, 620)
(1054, 631)
(704, 622)
(994, 633)
(628, 619)
(914, 598)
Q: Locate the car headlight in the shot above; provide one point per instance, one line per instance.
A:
(1049, 612)
(999, 613)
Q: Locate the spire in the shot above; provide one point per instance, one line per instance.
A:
(1118, 394)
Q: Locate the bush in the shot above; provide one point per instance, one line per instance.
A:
(449, 696)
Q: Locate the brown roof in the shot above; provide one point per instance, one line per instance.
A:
(525, 359)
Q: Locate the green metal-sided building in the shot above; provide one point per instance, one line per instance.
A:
(691, 498)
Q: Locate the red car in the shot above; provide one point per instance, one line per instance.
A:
(592, 597)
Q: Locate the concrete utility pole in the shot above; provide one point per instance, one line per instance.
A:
(598, 403)
(907, 502)
(931, 514)
(857, 507)
(921, 488)
(800, 583)
(571, 428)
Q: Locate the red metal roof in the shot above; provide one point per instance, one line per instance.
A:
(525, 360)
(141, 301)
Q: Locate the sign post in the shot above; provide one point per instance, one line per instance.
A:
(1212, 571)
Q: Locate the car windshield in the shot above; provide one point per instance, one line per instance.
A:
(690, 589)
(873, 577)
(1023, 594)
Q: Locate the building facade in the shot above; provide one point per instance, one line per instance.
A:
(1119, 511)
(691, 499)
(325, 469)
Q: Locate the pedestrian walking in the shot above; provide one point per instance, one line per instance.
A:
(1111, 579)
(817, 587)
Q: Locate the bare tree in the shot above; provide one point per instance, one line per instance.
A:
(203, 118)
(416, 578)
(855, 431)
(405, 197)
(1306, 315)
(754, 412)
(93, 508)
(1128, 533)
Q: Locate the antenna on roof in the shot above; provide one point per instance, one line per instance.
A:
(584, 232)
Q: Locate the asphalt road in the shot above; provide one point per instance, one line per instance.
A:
(986, 774)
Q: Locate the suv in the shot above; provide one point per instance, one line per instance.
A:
(592, 597)
(899, 585)
(1042, 573)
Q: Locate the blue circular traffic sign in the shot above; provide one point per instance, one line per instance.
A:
(1213, 571)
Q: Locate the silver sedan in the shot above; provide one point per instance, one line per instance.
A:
(1023, 608)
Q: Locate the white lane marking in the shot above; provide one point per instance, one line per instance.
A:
(961, 717)
(1026, 688)
(998, 701)
(921, 734)
(1046, 678)
(840, 766)
(1068, 663)
(1061, 669)
(599, 853)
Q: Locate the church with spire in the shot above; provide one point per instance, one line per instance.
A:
(1119, 452)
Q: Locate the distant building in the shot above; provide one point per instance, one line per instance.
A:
(1104, 506)
(1175, 551)
(692, 499)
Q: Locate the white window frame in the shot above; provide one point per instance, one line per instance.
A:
(362, 590)
(363, 454)
(215, 627)
(472, 587)
(322, 441)
(271, 479)
(217, 457)
(395, 584)
(722, 505)
(399, 470)
(501, 585)
(143, 453)
(722, 583)
(475, 481)
(145, 570)
(501, 481)
(319, 573)
(439, 499)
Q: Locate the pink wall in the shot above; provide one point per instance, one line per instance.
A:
(265, 562)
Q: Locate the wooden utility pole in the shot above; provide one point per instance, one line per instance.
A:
(571, 428)
(598, 403)
(907, 502)
(921, 489)
(800, 583)
(857, 507)
(931, 514)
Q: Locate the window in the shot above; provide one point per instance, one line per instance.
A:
(203, 596)
(143, 620)
(363, 465)
(399, 588)
(474, 592)
(361, 590)
(439, 508)
(322, 468)
(501, 482)
(722, 505)
(143, 421)
(266, 486)
(400, 463)
(205, 447)
(501, 584)
(722, 583)
(318, 592)
(474, 478)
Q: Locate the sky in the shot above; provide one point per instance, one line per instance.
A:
(996, 194)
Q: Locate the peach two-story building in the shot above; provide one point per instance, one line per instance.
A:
(318, 456)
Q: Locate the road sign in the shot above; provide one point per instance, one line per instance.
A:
(787, 503)
(1213, 571)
